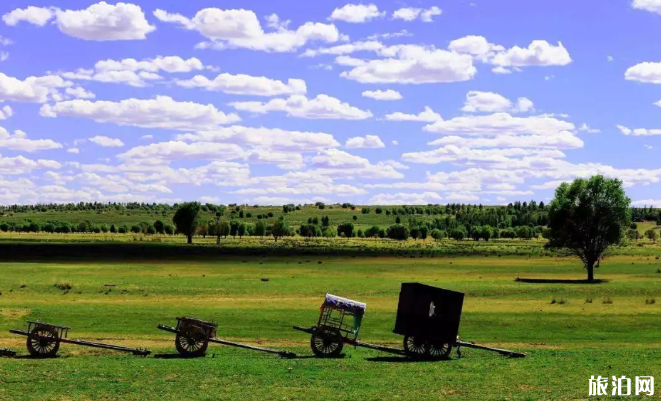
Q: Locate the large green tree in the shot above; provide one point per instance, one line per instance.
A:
(186, 219)
(587, 217)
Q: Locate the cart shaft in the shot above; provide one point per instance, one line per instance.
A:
(167, 328)
(134, 351)
(501, 351)
(356, 343)
(286, 354)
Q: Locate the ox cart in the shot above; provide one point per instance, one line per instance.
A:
(194, 335)
(428, 318)
(44, 339)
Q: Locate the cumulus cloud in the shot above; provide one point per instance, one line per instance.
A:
(21, 165)
(159, 112)
(639, 131)
(411, 14)
(427, 116)
(32, 89)
(321, 107)
(466, 155)
(388, 94)
(586, 128)
(653, 6)
(366, 142)
(648, 202)
(20, 141)
(356, 13)
(242, 84)
(402, 198)
(412, 64)
(647, 72)
(339, 164)
(499, 123)
(101, 21)
(242, 29)
(162, 152)
(560, 140)
(271, 139)
(133, 72)
(107, 142)
(6, 112)
(477, 101)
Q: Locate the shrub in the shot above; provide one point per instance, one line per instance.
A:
(345, 230)
(398, 232)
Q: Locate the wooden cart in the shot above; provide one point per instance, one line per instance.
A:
(44, 339)
(194, 335)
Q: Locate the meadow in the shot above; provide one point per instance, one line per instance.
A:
(569, 331)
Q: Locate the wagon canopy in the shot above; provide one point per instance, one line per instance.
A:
(358, 308)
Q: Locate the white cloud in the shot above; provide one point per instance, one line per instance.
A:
(4, 56)
(402, 198)
(242, 29)
(560, 140)
(344, 49)
(101, 21)
(349, 61)
(639, 131)
(490, 102)
(653, 6)
(470, 156)
(159, 112)
(21, 165)
(428, 116)
(412, 64)
(390, 35)
(107, 142)
(265, 138)
(609, 58)
(647, 72)
(73, 150)
(586, 128)
(339, 164)
(32, 89)
(500, 124)
(648, 202)
(162, 152)
(356, 13)
(19, 141)
(366, 142)
(33, 15)
(79, 93)
(395, 143)
(388, 94)
(242, 84)
(6, 112)
(411, 14)
(538, 53)
(321, 107)
(133, 72)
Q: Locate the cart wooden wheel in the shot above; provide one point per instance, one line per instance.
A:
(192, 342)
(415, 347)
(43, 342)
(327, 344)
(439, 350)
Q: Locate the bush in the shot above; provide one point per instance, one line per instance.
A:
(438, 234)
(398, 232)
(122, 230)
(345, 230)
(168, 229)
(458, 233)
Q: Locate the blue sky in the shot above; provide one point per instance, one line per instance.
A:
(296, 102)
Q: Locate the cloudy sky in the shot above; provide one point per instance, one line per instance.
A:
(384, 102)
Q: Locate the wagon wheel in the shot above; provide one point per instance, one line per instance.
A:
(192, 342)
(415, 347)
(439, 350)
(327, 344)
(43, 342)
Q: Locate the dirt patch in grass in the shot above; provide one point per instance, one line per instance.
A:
(14, 313)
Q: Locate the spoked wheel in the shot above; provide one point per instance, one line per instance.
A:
(192, 342)
(43, 342)
(326, 344)
(439, 350)
(415, 347)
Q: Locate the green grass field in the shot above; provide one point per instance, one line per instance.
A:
(566, 342)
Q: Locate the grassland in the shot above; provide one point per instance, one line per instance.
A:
(566, 341)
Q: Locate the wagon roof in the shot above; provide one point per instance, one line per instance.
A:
(345, 303)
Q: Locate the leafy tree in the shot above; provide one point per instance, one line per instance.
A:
(234, 228)
(587, 217)
(310, 230)
(438, 234)
(458, 233)
(241, 230)
(345, 230)
(372, 232)
(379, 210)
(652, 234)
(122, 229)
(398, 220)
(151, 230)
(186, 219)
(168, 229)
(398, 232)
(280, 229)
(159, 226)
(355, 217)
(260, 228)
(135, 229)
(415, 233)
(486, 233)
(359, 233)
(104, 228)
(329, 232)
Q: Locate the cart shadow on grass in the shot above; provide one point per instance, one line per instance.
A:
(558, 281)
